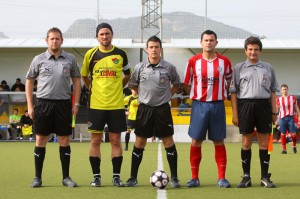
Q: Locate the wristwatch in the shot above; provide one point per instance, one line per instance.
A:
(77, 104)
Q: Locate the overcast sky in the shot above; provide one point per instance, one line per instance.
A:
(32, 18)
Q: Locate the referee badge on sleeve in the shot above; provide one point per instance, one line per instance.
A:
(231, 84)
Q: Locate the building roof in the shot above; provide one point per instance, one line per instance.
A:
(130, 43)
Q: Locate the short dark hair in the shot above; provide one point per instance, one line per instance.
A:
(209, 32)
(3, 82)
(54, 29)
(154, 39)
(284, 85)
(253, 40)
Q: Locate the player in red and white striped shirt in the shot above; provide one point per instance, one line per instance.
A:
(287, 107)
(206, 79)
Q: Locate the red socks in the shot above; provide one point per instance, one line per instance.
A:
(195, 159)
(283, 141)
(221, 160)
(220, 156)
(294, 139)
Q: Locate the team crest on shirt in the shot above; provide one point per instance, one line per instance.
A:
(163, 80)
(231, 83)
(264, 81)
(219, 68)
(66, 71)
(115, 60)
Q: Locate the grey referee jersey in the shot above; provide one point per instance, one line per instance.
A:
(154, 84)
(53, 75)
(253, 81)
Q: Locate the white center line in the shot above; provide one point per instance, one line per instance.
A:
(161, 193)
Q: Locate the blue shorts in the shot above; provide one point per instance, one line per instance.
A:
(208, 117)
(287, 124)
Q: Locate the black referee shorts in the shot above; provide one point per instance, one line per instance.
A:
(53, 116)
(255, 113)
(154, 121)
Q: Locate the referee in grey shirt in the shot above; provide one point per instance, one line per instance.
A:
(253, 97)
(52, 112)
(152, 80)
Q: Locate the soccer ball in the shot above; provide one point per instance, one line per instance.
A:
(159, 179)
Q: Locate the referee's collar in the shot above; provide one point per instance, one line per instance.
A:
(258, 64)
(148, 64)
(49, 55)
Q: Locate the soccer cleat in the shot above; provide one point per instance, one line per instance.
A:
(131, 182)
(96, 182)
(68, 182)
(246, 181)
(126, 148)
(37, 182)
(283, 152)
(223, 183)
(266, 182)
(118, 182)
(295, 150)
(193, 183)
(175, 183)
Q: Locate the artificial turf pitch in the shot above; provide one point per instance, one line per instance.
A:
(17, 172)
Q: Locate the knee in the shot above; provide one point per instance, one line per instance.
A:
(263, 141)
(218, 142)
(263, 144)
(247, 145)
(115, 138)
(96, 141)
(168, 141)
(140, 142)
(196, 143)
(64, 140)
(41, 141)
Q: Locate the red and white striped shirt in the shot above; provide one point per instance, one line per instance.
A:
(286, 105)
(208, 78)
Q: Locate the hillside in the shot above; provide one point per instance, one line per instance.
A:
(175, 25)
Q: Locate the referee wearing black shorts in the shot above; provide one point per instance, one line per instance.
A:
(52, 112)
(253, 97)
(152, 80)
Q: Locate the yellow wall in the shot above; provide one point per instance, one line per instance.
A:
(184, 117)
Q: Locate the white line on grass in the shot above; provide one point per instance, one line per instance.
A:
(161, 193)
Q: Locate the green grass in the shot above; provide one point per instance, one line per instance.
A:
(17, 172)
